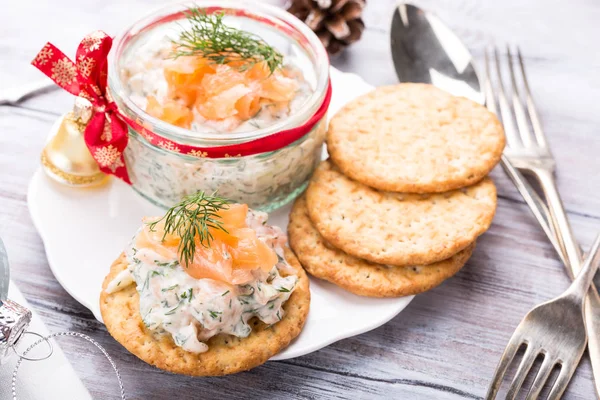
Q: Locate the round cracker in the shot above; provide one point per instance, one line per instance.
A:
(227, 354)
(359, 276)
(415, 138)
(396, 228)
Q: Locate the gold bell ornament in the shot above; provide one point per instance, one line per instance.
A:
(66, 158)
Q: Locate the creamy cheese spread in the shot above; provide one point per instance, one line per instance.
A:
(192, 310)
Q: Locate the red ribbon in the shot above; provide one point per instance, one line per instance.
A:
(106, 134)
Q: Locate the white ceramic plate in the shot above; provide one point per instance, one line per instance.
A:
(85, 230)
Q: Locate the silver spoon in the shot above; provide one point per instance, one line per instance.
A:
(425, 50)
(14, 95)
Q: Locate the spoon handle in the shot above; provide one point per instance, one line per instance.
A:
(16, 94)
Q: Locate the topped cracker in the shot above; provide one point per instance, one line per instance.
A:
(396, 228)
(415, 138)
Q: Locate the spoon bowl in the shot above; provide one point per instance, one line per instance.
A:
(425, 50)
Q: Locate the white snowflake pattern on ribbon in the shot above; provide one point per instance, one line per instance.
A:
(44, 55)
(109, 157)
(64, 72)
(169, 146)
(86, 65)
(198, 153)
(92, 41)
(106, 132)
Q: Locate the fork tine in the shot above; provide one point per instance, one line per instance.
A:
(526, 135)
(541, 378)
(526, 363)
(564, 377)
(535, 120)
(508, 355)
(512, 139)
(490, 100)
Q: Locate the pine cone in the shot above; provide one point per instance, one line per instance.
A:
(338, 23)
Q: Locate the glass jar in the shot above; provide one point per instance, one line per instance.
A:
(265, 180)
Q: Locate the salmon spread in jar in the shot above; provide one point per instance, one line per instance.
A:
(220, 77)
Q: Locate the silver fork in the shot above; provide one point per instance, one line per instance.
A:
(553, 330)
(530, 153)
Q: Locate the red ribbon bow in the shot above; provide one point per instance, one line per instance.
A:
(106, 133)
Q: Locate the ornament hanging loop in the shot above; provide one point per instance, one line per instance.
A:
(47, 340)
(23, 356)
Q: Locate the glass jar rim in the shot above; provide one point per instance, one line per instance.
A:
(186, 136)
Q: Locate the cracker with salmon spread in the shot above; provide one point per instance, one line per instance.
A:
(226, 354)
(396, 228)
(359, 276)
(208, 289)
(415, 138)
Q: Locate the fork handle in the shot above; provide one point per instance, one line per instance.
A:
(582, 282)
(574, 257)
(536, 205)
(560, 221)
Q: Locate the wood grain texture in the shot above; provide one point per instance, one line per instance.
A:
(445, 345)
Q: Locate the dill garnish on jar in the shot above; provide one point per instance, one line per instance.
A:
(209, 37)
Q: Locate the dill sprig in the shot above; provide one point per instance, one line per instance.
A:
(210, 38)
(191, 219)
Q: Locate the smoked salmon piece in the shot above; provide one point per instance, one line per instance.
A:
(251, 253)
(278, 88)
(153, 239)
(211, 263)
(248, 106)
(216, 263)
(184, 77)
(258, 71)
(171, 112)
(236, 90)
(234, 216)
(221, 80)
(234, 253)
(222, 105)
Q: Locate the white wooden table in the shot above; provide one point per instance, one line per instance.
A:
(447, 343)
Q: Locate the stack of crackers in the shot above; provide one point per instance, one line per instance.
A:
(397, 208)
